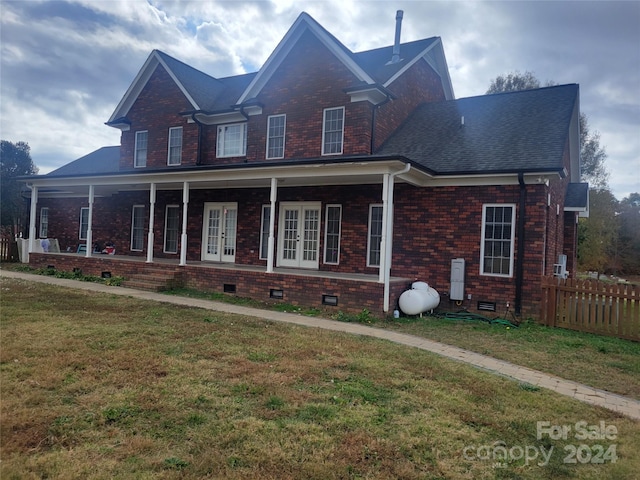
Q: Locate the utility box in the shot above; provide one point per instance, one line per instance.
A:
(457, 279)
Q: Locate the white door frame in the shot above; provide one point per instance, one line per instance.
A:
(305, 236)
(227, 232)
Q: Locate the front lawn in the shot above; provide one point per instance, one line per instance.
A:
(104, 386)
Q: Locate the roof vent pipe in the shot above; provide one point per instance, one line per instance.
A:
(396, 44)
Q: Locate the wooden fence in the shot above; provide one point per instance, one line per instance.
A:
(8, 250)
(592, 306)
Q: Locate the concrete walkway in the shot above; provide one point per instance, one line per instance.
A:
(626, 406)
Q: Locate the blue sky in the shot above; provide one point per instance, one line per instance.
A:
(65, 65)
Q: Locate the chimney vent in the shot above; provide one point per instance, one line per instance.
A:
(396, 44)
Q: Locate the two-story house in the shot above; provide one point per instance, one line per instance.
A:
(328, 178)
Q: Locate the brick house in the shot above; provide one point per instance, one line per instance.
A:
(328, 178)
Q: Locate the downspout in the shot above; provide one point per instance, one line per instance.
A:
(520, 253)
(389, 234)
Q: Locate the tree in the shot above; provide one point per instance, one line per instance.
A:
(597, 235)
(628, 245)
(513, 82)
(15, 161)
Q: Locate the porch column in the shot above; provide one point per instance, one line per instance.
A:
(150, 238)
(90, 223)
(386, 253)
(272, 225)
(383, 239)
(183, 237)
(32, 218)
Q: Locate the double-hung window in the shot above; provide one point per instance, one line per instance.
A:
(375, 236)
(275, 136)
(232, 140)
(332, 234)
(498, 237)
(140, 155)
(137, 228)
(84, 223)
(44, 222)
(171, 229)
(332, 131)
(264, 232)
(175, 146)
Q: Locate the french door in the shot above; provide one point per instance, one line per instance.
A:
(219, 232)
(299, 235)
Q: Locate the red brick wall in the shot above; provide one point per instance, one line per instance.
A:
(417, 85)
(432, 225)
(157, 109)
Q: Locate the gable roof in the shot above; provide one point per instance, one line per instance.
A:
(508, 132)
(370, 67)
(211, 95)
(103, 160)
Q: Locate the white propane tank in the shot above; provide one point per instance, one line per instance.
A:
(419, 299)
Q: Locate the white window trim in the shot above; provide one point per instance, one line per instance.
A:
(83, 209)
(512, 243)
(371, 207)
(135, 150)
(326, 232)
(44, 213)
(220, 140)
(133, 210)
(284, 135)
(324, 118)
(166, 222)
(169, 147)
(263, 239)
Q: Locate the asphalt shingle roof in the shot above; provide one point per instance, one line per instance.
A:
(101, 161)
(504, 132)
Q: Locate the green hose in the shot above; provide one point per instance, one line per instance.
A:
(466, 316)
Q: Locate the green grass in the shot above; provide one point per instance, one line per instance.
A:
(102, 386)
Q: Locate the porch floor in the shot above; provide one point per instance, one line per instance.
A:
(360, 277)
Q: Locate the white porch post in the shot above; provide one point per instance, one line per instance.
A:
(183, 237)
(32, 218)
(152, 206)
(383, 239)
(90, 223)
(387, 231)
(272, 225)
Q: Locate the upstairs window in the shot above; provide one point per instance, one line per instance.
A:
(140, 152)
(44, 222)
(498, 237)
(232, 140)
(332, 131)
(275, 136)
(175, 146)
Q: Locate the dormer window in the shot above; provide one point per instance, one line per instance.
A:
(332, 131)
(175, 146)
(232, 140)
(140, 155)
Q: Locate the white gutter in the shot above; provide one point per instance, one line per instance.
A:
(386, 247)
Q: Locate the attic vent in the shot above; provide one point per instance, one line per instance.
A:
(396, 44)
